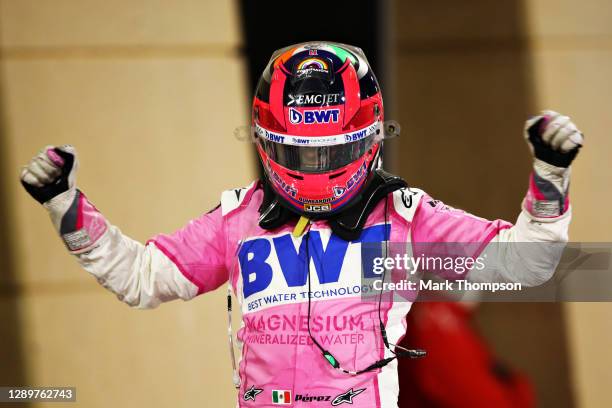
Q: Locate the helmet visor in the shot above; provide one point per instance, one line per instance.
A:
(318, 159)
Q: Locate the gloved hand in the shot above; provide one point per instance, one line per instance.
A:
(50, 178)
(50, 173)
(553, 138)
(555, 141)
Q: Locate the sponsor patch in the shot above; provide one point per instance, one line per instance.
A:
(313, 99)
(77, 240)
(347, 397)
(312, 398)
(317, 207)
(544, 208)
(251, 393)
(313, 116)
(369, 131)
(278, 180)
(339, 191)
(407, 198)
(267, 284)
(356, 178)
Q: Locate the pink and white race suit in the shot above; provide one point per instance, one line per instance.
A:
(266, 270)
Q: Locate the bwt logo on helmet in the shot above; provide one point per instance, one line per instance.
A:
(355, 136)
(312, 116)
(361, 134)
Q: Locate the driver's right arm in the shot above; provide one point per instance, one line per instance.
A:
(181, 265)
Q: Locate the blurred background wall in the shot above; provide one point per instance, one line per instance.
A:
(468, 75)
(465, 87)
(571, 51)
(150, 91)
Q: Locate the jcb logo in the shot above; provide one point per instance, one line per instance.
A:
(317, 207)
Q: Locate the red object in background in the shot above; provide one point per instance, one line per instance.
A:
(459, 370)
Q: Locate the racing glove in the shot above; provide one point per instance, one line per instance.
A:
(50, 178)
(554, 141)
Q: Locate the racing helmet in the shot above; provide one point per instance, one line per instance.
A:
(317, 123)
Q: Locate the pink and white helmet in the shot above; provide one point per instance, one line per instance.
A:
(318, 122)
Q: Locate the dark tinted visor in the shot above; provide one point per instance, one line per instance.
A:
(317, 159)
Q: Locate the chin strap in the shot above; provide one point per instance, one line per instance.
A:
(272, 214)
(347, 224)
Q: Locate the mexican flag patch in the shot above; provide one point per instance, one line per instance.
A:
(281, 397)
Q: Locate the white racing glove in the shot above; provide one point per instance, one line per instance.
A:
(555, 141)
(50, 178)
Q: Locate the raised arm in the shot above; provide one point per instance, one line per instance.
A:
(181, 265)
(528, 251)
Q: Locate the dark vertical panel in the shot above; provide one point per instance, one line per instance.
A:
(270, 25)
(12, 366)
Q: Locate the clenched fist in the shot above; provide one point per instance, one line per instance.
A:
(555, 141)
(553, 138)
(50, 173)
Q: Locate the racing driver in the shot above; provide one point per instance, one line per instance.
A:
(288, 245)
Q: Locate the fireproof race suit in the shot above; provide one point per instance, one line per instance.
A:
(267, 272)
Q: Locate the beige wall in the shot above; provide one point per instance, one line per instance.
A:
(464, 90)
(149, 92)
(572, 59)
(468, 75)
